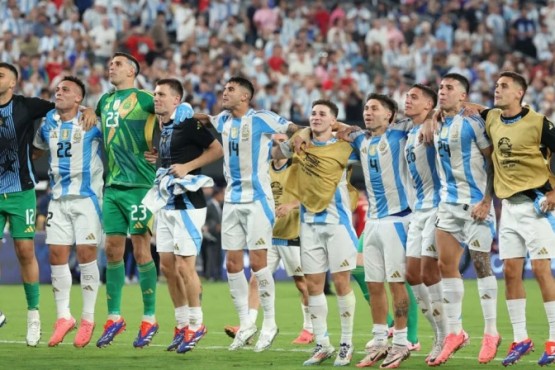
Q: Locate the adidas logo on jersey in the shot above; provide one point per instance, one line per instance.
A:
(90, 237)
(299, 270)
(475, 244)
(260, 241)
(431, 248)
(345, 263)
(30, 229)
(396, 275)
(138, 225)
(543, 252)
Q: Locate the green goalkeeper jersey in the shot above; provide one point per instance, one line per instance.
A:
(128, 124)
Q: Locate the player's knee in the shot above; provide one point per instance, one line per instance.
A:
(542, 270)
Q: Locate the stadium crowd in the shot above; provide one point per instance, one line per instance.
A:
(294, 51)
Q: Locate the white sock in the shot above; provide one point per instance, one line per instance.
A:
(422, 297)
(380, 332)
(453, 292)
(517, 315)
(550, 312)
(267, 294)
(346, 306)
(487, 289)
(400, 337)
(90, 281)
(61, 285)
(181, 316)
(239, 289)
(318, 307)
(253, 314)
(195, 318)
(307, 323)
(436, 301)
(33, 315)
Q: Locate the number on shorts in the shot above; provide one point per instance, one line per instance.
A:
(30, 216)
(138, 212)
(48, 218)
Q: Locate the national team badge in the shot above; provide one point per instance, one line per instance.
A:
(65, 134)
(117, 104)
(444, 132)
(245, 133)
(234, 132)
(53, 134)
(77, 136)
(383, 146)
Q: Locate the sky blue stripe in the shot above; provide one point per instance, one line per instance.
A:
(401, 233)
(344, 218)
(30, 165)
(268, 211)
(467, 133)
(413, 169)
(191, 229)
(258, 128)
(551, 220)
(87, 154)
(394, 138)
(445, 160)
(64, 162)
(234, 163)
(431, 156)
(376, 180)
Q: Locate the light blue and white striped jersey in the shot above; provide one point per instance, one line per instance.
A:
(422, 172)
(339, 209)
(75, 162)
(461, 164)
(247, 142)
(384, 169)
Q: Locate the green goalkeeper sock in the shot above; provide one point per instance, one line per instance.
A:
(148, 278)
(412, 319)
(358, 275)
(32, 294)
(115, 279)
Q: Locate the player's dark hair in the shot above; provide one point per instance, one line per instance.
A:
(78, 82)
(461, 79)
(173, 84)
(134, 62)
(12, 69)
(428, 91)
(518, 79)
(387, 102)
(242, 81)
(328, 103)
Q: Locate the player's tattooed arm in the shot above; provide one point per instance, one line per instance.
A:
(480, 211)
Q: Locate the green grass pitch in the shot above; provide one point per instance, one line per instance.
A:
(212, 353)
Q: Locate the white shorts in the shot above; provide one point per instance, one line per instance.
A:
(384, 249)
(328, 246)
(421, 240)
(290, 255)
(456, 220)
(522, 232)
(247, 225)
(74, 220)
(179, 231)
